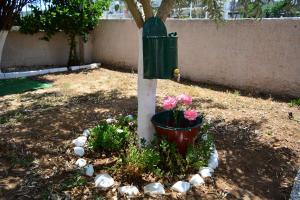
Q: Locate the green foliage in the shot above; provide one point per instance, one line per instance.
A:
(24, 161)
(171, 161)
(280, 9)
(199, 155)
(258, 9)
(139, 160)
(73, 17)
(295, 102)
(75, 180)
(251, 9)
(214, 9)
(108, 136)
(160, 157)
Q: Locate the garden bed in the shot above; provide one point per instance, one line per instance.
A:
(258, 144)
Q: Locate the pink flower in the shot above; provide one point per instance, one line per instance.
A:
(184, 99)
(169, 103)
(190, 115)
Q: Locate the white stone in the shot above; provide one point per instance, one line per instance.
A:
(86, 133)
(81, 162)
(110, 120)
(204, 137)
(79, 151)
(196, 180)
(130, 117)
(206, 172)
(104, 181)
(154, 188)
(89, 170)
(213, 161)
(129, 190)
(181, 186)
(119, 130)
(80, 141)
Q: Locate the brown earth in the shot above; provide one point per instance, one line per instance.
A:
(257, 143)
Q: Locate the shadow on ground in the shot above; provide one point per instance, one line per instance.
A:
(44, 132)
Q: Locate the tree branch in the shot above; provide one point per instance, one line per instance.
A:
(147, 9)
(164, 9)
(137, 16)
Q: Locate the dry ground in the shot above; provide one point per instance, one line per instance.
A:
(257, 142)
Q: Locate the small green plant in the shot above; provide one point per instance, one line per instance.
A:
(199, 155)
(21, 161)
(75, 180)
(295, 102)
(140, 160)
(236, 93)
(171, 161)
(109, 137)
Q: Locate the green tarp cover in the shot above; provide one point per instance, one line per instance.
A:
(19, 85)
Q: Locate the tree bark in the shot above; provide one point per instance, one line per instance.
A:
(146, 98)
(164, 9)
(3, 35)
(147, 9)
(137, 16)
(73, 58)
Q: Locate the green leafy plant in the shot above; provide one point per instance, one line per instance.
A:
(75, 180)
(140, 160)
(295, 102)
(280, 9)
(109, 137)
(198, 155)
(171, 161)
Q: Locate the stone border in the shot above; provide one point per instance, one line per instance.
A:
(105, 181)
(295, 194)
(46, 71)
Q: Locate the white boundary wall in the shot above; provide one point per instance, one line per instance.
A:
(246, 54)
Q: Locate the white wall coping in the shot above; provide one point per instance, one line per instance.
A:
(203, 19)
(10, 75)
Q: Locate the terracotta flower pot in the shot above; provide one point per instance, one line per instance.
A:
(183, 133)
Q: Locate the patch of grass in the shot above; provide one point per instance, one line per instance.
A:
(75, 180)
(140, 160)
(23, 162)
(236, 93)
(13, 116)
(294, 102)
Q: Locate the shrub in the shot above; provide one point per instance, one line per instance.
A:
(294, 102)
(280, 9)
(199, 155)
(140, 160)
(171, 161)
(161, 157)
(108, 136)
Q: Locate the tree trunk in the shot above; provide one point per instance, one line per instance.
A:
(146, 98)
(73, 58)
(147, 9)
(131, 4)
(164, 9)
(3, 35)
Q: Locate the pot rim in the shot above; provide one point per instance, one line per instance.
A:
(173, 128)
